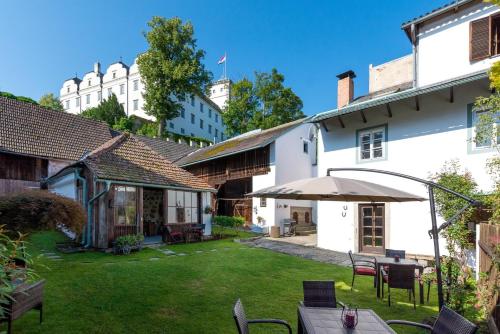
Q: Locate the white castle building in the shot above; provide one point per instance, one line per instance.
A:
(201, 117)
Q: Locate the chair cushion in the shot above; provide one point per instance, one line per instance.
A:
(365, 271)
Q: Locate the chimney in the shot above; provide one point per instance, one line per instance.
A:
(345, 88)
(97, 67)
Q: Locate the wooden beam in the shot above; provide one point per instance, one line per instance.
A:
(341, 121)
(417, 103)
(389, 111)
(452, 96)
(363, 116)
(324, 126)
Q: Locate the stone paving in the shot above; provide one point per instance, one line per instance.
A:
(306, 252)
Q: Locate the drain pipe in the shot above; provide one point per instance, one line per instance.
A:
(90, 205)
(84, 196)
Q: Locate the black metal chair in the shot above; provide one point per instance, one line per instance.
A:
(399, 277)
(448, 322)
(320, 294)
(364, 267)
(394, 253)
(242, 322)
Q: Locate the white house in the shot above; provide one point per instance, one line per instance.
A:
(417, 116)
(256, 160)
(201, 117)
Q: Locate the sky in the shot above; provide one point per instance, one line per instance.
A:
(43, 43)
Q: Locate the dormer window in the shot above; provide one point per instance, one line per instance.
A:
(90, 82)
(114, 75)
(67, 89)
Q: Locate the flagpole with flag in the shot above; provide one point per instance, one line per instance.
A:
(223, 60)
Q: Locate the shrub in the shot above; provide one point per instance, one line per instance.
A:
(36, 210)
(125, 243)
(227, 221)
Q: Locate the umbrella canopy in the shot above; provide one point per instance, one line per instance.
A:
(330, 188)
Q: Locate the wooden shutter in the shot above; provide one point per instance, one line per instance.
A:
(479, 39)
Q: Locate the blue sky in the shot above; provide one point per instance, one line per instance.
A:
(310, 42)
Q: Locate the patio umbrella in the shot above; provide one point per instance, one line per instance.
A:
(331, 188)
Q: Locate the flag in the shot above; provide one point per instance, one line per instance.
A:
(222, 60)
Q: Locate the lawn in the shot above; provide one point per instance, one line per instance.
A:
(149, 292)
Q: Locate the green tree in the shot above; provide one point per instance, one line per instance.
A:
(51, 102)
(264, 104)
(171, 68)
(109, 111)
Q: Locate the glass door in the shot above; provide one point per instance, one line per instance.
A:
(372, 228)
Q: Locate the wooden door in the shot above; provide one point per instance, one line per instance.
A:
(372, 228)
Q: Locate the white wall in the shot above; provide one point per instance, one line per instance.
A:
(206, 200)
(65, 186)
(419, 143)
(443, 46)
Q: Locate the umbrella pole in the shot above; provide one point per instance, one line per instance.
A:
(435, 239)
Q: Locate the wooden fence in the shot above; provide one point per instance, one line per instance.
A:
(489, 238)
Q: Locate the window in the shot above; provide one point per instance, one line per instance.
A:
(485, 143)
(216, 133)
(67, 103)
(201, 124)
(182, 207)
(210, 128)
(192, 100)
(122, 89)
(77, 102)
(90, 82)
(87, 99)
(67, 89)
(221, 89)
(201, 107)
(213, 91)
(171, 125)
(192, 118)
(371, 143)
(136, 104)
(216, 118)
(136, 85)
(221, 135)
(123, 105)
(114, 75)
(99, 96)
(183, 131)
(305, 146)
(484, 38)
(209, 113)
(192, 134)
(110, 91)
(263, 202)
(183, 113)
(125, 205)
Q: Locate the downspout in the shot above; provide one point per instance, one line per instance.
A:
(89, 212)
(415, 50)
(84, 196)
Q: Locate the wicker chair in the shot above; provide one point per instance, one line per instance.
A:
(320, 294)
(394, 253)
(242, 322)
(399, 277)
(448, 322)
(365, 267)
(26, 297)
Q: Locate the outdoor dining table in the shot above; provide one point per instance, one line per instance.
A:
(385, 261)
(320, 320)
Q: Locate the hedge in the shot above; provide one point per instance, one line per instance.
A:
(227, 221)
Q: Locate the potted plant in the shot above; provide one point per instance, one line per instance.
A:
(126, 243)
(208, 210)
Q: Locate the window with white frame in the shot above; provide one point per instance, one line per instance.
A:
(372, 144)
(485, 143)
(192, 100)
(87, 99)
(210, 128)
(90, 82)
(67, 89)
(305, 146)
(192, 118)
(136, 85)
(183, 131)
(99, 96)
(136, 105)
(201, 107)
(67, 103)
(263, 202)
(114, 75)
(216, 118)
(183, 113)
(110, 91)
(201, 124)
(171, 125)
(209, 113)
(216, 133)
(77, 101)
(122, 89)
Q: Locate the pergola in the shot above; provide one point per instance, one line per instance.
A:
(331, 188)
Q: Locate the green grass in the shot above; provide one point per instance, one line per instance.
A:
(101, 293)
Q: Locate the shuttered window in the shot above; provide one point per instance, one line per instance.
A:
(480, 40)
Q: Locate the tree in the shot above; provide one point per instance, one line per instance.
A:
(264, 104)
(50, 101)
(171, 68)
(109, 111)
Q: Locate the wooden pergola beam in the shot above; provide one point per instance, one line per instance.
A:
(389, 111)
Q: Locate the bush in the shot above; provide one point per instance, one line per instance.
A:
(36, 210)
(227, 221)
(126, 243)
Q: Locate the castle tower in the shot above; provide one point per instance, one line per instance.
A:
(220, 92)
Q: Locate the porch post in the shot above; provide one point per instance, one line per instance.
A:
(435, 238)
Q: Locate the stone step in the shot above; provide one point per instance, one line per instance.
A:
(301, 228)
(304, 233)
